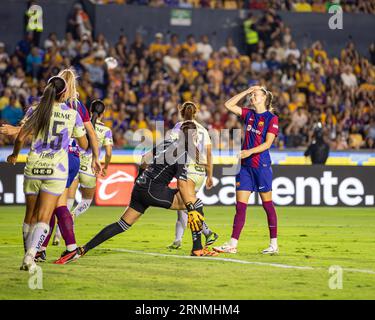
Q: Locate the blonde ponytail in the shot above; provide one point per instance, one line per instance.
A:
(71, 93)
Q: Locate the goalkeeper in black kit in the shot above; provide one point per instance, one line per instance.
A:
(158, 168)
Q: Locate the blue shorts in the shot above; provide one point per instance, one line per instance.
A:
(73, 162)
(254, 179)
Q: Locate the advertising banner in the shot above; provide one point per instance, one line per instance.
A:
(292, 185)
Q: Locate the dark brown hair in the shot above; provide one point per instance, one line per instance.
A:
(40, 118)
(188, 110)
(186, 128)
(97, 108)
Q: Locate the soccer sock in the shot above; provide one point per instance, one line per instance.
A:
(199, 207)
(25, 234)
(233, 242)
(205, 229)
(70, 204)
(51, 226)
(65, 222)
(82, 207)
(271, 218)
(57, 232)
(239, 219)
(197, 235)
(39, 235)
(181, 224)
(197, 240)
(29, 236)
(107, 233)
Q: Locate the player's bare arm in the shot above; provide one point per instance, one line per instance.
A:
(232, 103)
(18, 143)
(209, 168)
(264, 146)
(107, 159)
(9, 130)
(83, 142)
(95, 164)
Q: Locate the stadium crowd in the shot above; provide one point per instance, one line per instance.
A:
(354, 6)
(152, 79)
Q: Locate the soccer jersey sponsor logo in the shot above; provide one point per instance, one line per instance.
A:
(61, 115)
(250, 128)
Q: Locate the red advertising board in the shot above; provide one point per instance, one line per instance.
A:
(115, 189)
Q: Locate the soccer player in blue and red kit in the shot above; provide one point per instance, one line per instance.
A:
(255, 175)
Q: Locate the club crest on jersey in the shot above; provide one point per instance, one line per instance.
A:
(261, 123)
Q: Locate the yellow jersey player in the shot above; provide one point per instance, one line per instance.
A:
(51, 123)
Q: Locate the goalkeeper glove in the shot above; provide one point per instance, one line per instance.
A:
(195, 219)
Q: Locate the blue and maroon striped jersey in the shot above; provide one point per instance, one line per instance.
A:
(83, 112)
(256, 126)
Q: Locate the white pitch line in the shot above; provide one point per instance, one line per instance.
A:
(277, 265)
(359, 270)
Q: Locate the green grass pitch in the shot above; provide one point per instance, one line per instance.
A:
(316, 238)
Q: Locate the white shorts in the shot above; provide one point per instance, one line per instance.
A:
(197, 174)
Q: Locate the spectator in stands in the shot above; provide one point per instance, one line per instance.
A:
(4, 58)
(94, 64)
(302, 6)
(23, 47)
(148, 84)
(34, 63)
(138, 46)
(348, 78)
(158, 45)
(12, 114)
(204, 47)
(79, 23)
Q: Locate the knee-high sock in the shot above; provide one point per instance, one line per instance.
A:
(271, 218)
(107, 233)
(65, 222)
(82, 207)
(181, 224)
(199, 207)
(205, 229)
(197, 235)
(239, 220)
(28, 240)
(37, 238)
(70, 204)
(197, 240)
(25, 235)
(57, 232)
(51, 226)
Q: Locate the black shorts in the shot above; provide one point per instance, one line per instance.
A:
(151, 196)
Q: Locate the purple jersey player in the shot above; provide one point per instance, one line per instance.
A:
(255, 175)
